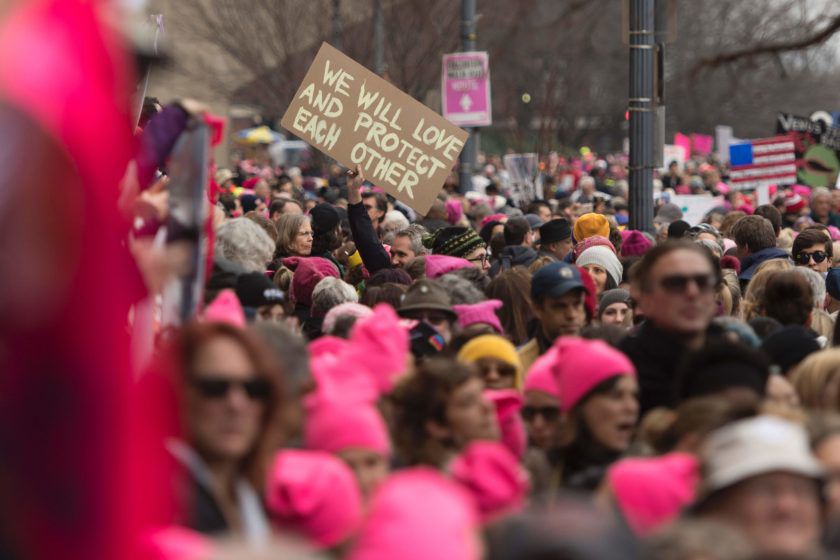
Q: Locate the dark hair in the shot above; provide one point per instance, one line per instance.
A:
(810, 237)
(279, 205)
(497, 245)
(326, 242)
(416, 267)
(616, 239)
(754, 232)
(422, 398)
(702, 415)
(228, 202)
(389, 275)
(720, 365)
(640, 272)
(381, 201)
(515, 230)
(772, 215)
(188, 343)
(386, 293)
(788, 298)
(534, 207)
(513, 288)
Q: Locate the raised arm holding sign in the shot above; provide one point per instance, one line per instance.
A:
(357, 118)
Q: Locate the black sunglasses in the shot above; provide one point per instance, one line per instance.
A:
(219, 387)
(803, 258)
(549, 413)
(677, 283)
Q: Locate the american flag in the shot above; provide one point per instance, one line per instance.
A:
(762, 162)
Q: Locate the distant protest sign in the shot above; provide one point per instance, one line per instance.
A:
(817, 148)
(356, 117)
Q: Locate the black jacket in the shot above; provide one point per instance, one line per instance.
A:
(374, 256)
(513, 255)
(656, 354)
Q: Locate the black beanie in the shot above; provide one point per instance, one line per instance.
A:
(324, 218)
(790, 345)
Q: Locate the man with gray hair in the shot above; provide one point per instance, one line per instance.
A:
(408, 243)
(328, 293)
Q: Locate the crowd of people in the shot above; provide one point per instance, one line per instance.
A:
(466, 383)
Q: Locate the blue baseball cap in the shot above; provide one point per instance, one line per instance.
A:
(555, 280)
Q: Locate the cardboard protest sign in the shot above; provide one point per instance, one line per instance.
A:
(817, 148)
(356, 117)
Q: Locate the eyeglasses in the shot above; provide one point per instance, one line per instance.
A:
(678, 283)
(549, 413)
(501, 369)
(804, 258)
(219, 387)
(309, 233)
(479, 260)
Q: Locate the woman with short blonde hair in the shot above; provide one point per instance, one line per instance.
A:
(817, 380)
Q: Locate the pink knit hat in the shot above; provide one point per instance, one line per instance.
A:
(338, 380)
(438, 265)
(347, 309)
(482, 312)
(454, 210)
(508, 403)
(582, 364)
(308, 271)
(334, 427)
(314, 494)
(493, 476)
(225, 309)
(541, 375)
(380, 343)
(419, 514)
(594, 241)
(634, 243)
(728, 244)
(652, 491)
(494, 218)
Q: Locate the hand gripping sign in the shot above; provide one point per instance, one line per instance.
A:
(356, 117)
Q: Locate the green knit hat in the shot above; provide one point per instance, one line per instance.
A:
(453, 241)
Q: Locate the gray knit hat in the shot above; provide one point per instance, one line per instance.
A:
(603, 257)
(668, 212)
(612, 296)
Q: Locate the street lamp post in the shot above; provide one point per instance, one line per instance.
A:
(641, 108)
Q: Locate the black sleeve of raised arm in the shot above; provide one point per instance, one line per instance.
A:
(373, 254)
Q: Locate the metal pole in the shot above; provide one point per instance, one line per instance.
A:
(469, 155)
(378, 38)
(336, 24)
(641, 107)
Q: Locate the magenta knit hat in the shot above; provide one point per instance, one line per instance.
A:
(540, 376)
(494, 218)
(225, 309)
(481, 312)
(419, 514)
(338, 380)
(454, 210)
(493, 476)
(594, 241)
(582, 364)
(314, 494)
(334, 427)
(508, 403)
(380, 343)
(652, 491)
(634, 243)
(308, 271)
(438, 265)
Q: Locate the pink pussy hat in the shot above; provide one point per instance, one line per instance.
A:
(540, 376)
(380, 343)
(582, 365)
(225, 309)
(315, 494)
(493, 476)
(335, 427)
(478, 313)
(176, 543)
(336, 380)
(419, 514)
(652, 491)
(508, 403)
(438, 265)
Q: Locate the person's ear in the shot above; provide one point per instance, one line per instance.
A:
(437, 431)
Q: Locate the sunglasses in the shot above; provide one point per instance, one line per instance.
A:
(219, 387)
(549, 413)
(678, 283)
(803, 258)
(503, 371)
